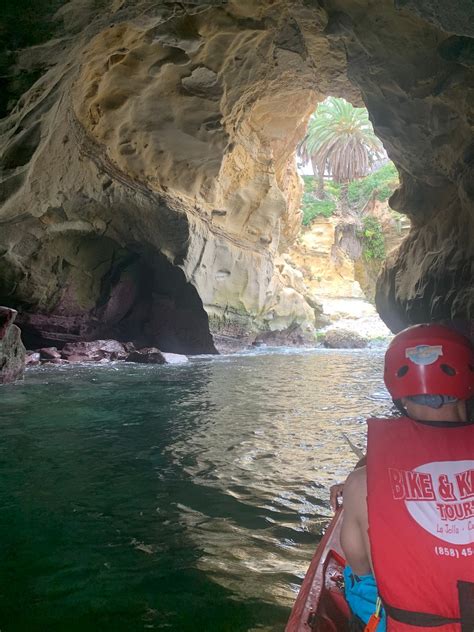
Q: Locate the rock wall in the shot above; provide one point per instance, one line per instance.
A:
(12, 351)
(335, 273)
(328, 269)
(148, 180)
(414, 63)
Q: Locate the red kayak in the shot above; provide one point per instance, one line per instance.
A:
(320, 605)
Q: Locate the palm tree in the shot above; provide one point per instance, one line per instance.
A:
(341, 142)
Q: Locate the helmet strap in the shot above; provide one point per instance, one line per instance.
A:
(470, 409)
(400, 407)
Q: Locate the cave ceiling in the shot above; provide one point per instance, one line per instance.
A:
(139, 130)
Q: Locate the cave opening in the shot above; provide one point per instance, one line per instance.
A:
(109, 292)
(164, 310)
(235, 84)
(347, 225)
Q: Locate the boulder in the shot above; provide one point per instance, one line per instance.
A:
(343, 339)
(295, 336)
(32, 358)
(175, 358)
(7, 316)
(12, 351)
(94, 351)
(146, 355)
(49, 353)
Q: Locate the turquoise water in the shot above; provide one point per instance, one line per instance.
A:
(173, 497)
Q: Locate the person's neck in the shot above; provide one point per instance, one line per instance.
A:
(449, 413)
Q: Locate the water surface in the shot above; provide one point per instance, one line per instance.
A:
(173, 497)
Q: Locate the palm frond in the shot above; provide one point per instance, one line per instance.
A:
(341, 141)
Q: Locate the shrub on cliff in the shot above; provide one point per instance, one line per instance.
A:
(372, 238)
(313, 207)
(380, 184)
(317, 208)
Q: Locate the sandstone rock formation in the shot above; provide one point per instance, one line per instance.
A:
(336, 273)
(12, 351)
(328, 269)
(148, 179)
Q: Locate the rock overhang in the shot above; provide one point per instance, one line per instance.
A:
(172, 130)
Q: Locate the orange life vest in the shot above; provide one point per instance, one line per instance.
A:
(420, 493)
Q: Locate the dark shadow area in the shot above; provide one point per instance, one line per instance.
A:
(165, 310)
(104, 291)
(22, 24)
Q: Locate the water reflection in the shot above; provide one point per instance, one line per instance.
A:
(183, 497)
(270, 446)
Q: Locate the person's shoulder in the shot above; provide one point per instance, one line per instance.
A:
(355, 494)
(356, 481)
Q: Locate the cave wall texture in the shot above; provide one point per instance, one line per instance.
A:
(148, 181)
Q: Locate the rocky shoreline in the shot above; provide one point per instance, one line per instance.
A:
(14, 357)
(102, 351)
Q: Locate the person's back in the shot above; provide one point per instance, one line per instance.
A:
(417, 532)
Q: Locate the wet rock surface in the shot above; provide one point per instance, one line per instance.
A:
(49, 353)
(33, 358)
(147, 355)
(343, 339)
(12, 351)
(175, 358)
(101, 351)
(292, 337)
(95, 350)
(163, 225)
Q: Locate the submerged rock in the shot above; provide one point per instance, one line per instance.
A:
(343, 339)
(12, 351)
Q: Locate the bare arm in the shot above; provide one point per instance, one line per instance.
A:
(335, 491)
(354, 538)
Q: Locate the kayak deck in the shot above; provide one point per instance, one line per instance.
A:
(320, 605)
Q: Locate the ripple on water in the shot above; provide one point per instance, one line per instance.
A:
(186, 497)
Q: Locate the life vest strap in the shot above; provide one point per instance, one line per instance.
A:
(420, 619)
(466, 605)
(427, 620)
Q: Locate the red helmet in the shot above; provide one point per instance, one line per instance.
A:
(429, 360)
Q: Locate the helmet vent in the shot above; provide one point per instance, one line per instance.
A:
(448, 370)
(403, 370)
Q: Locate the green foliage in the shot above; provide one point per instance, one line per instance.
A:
(372, 238)
(341, 141)
(309, 184)
(332, 189)
(380, 183)
(317, 208)
(311, 206)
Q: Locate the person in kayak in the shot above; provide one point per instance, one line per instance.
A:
(408, 520)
